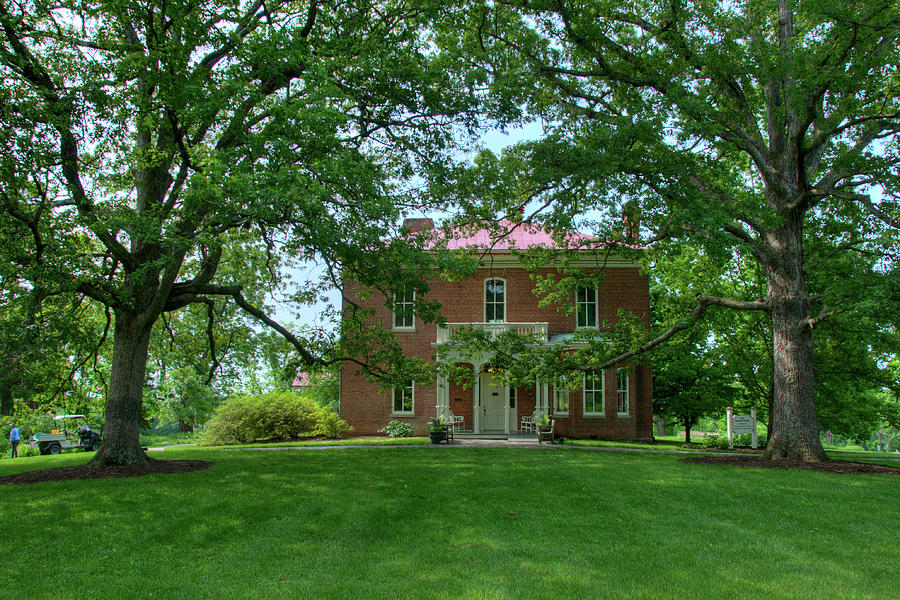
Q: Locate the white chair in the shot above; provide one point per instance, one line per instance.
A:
(527, 424)
(456, 423)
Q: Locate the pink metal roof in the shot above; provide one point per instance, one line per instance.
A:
(301, 379)
(507, 235)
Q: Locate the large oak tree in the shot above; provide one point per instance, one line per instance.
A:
(766, 124)
(146, 142)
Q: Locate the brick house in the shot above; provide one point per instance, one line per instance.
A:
(612, 404)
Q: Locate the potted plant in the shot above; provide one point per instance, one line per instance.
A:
(437, 430)
(544, 428)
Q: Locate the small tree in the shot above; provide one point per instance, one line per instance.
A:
(689, 382)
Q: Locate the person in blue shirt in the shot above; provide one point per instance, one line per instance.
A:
(14, 440)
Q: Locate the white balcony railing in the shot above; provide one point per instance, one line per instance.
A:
(446, 333)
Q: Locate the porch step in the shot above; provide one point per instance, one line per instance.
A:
(512, 437)
(480, 436)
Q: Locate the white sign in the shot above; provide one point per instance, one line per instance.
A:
(742, 424)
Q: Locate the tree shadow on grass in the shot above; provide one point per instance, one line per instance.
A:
(85, 472)
(833, 466)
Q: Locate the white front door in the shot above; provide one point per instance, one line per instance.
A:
(493, 401)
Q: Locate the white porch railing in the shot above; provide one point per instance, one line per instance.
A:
(446, 333)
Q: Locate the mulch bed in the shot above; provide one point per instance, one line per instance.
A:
(834, 466)
(84, 472)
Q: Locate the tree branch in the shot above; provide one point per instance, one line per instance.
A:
(703, 303)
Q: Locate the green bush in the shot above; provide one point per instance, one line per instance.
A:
(329, 425)
(742, 440)
(397, 429)
(276, 416)
(714, 440)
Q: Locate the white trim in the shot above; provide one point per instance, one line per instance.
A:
(484, 302)
(394, 314)
(504, 258)
(626, 390)
(412, 399)
(584, 389)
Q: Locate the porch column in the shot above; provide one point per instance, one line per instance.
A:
(442, 409)
(506, 409)
(476, 398)
(540, 400)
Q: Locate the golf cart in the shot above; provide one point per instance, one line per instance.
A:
(69, 431)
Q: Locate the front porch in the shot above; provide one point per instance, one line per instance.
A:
(490, 408)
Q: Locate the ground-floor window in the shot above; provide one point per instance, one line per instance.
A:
(593, 392)
(512, 397)
(403, 398)
(622, 391)
(561, 398)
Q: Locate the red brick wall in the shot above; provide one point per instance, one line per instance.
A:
(637, 425)
(461, 400)
(368, 409)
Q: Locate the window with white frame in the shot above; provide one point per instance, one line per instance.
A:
(404, 309)
(494, 300)
(592, 391)
(622, 391)
(586, 306)
(403, 398)
(561, 398)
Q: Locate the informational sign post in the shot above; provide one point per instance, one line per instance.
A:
(741, 424)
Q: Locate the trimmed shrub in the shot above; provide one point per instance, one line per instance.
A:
(329, 425)
(277, 416)
(397, 429)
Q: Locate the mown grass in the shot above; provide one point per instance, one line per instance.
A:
(150, 438)
(659, 444)
(439, 522)
(368, 441)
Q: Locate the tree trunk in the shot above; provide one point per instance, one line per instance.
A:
(121, 431)
(795, 431)
(770, 403)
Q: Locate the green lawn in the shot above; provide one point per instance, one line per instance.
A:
(348, 441)
(423, 522)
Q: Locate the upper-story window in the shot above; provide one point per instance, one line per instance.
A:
(495, 300)
(586, 306)
(404, 309)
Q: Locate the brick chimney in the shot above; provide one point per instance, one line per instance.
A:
(417, 225)
(631, 218)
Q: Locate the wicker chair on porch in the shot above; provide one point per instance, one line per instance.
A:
(527, 424)
(456, 423)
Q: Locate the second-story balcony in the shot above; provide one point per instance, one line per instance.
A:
(447, 333)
